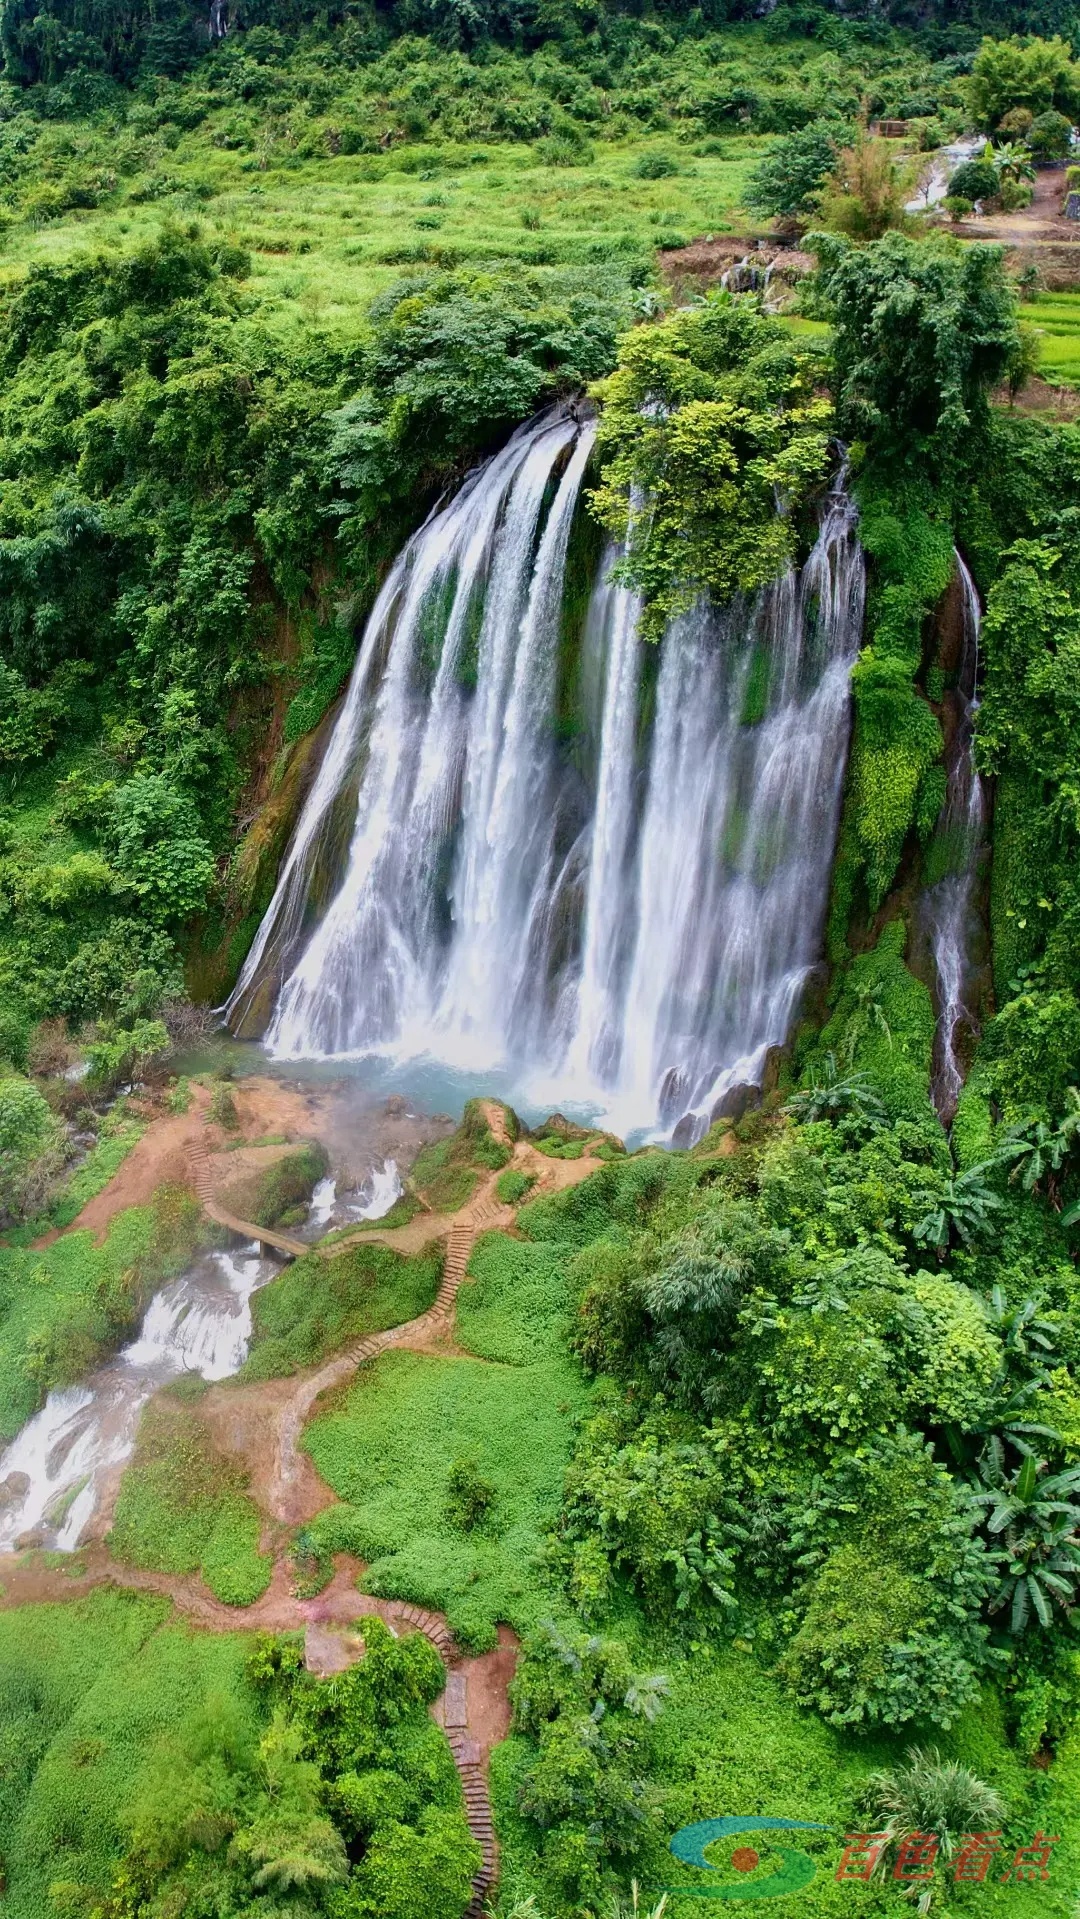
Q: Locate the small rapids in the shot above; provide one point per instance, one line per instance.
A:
(56, 1471)
(331, 1208)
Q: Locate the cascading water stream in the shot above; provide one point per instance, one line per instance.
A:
(408, 747)
(949, 904)
(625, 922)
(738, 830)
(505, 871)
(53, 1473)
(594, 1049)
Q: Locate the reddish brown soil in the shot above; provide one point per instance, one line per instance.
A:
(161, 1156)
(489, 1675)
(261, 1424)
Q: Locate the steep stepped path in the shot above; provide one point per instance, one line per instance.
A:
(481, 1215)
(341, 1605)
(284, 1497)
(199, 1165)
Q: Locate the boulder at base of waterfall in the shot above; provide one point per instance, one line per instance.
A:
(33, 1541)
(737, 1101)
(770, 1075)
(13, 1489)
(687, 1133)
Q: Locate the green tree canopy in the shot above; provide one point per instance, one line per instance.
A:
(708, 416)
(787, 181)
(921, 334)
(1021, 72)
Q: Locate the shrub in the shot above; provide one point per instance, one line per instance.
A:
(974, 180)
(124, 1053)
(469, 1496)
(1050, 136)
(866, 194)
(421, 1874)
(1028, 74)
(159, 848)
(29, 1145)
(906, 368)
(786, 184)
(932, 1795)
(512, 1186)
(221, 1110)
(655, 166)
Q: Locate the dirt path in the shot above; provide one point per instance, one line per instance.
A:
(288, 1493)
(263, 1423)
(473, 1709)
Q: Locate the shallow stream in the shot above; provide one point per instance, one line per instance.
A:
(55, 1472)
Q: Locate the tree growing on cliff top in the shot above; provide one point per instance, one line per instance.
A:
(922, 332)
(707, 419)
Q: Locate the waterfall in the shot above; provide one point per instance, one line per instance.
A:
(503, 886)
(613, 629)
(739, 826)
(627, 920)
(949, 903)
(53, 1473)
(407, 745)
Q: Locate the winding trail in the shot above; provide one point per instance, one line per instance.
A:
(474, 1707)
(199, 1168)
(482, 1214)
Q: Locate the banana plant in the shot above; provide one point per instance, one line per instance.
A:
(1036, 1515)
(837, 1095)
(1013, 161)
(964, 1206)
(1039, 1149)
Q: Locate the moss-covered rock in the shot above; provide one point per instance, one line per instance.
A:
(266, 1195)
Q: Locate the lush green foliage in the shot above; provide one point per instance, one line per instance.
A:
(446, 1172)
(708, 417)
(788, 1368)
(318, 1304)
(921, 334)
(416, 1433)
(27, 1132)
(825, 1480)
(211, 1770)
(267, 1196)
(789, 179)
(183, 1508)
(1017, 73)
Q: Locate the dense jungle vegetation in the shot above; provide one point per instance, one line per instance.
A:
(770, 1450)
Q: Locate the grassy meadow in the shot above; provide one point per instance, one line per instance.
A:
(1057, 318)
(327, 235)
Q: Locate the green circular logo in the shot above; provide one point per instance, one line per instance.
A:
(796, 1870)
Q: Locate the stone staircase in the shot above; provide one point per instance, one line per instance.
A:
(481, 1215)
(466, 1751)
(267, 1236)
